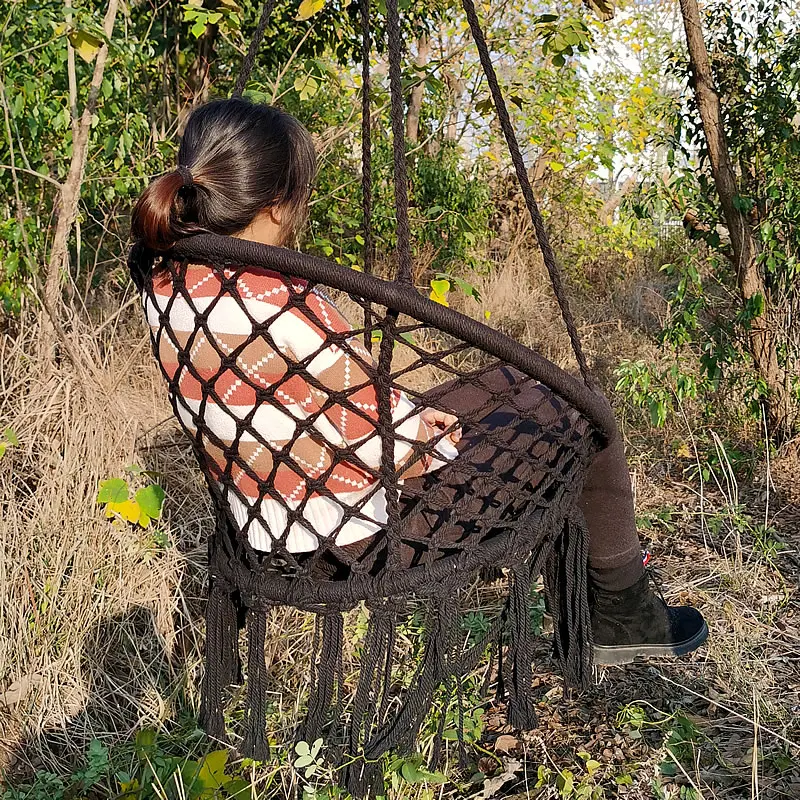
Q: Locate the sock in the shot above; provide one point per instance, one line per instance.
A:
(618, 577)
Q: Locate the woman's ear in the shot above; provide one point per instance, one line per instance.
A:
(275, 214)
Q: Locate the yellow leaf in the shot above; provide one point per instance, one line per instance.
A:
(439, 298)
(308, 8)
(129, 790)
(86, 45)
(487, 315)
(556, 166)
(128, 510)
(683, 451)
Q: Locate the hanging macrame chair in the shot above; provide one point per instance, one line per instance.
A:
(529, 525)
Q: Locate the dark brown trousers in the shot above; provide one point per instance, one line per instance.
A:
(517, 423)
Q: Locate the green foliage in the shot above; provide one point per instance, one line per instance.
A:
(142, 508)
(308, 759)
(47, 786)
(411, 770)
(451, 206)
(562, 37)
(8, 438)
(660, 391)
(755, 72)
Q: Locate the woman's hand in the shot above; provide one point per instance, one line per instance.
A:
(442, 420)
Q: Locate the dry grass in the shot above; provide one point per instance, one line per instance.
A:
(99, 623)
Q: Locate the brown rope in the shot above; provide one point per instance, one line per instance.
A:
(252, 50)
(527, 191)
(366, 159)
(366, 138)
(399, 143)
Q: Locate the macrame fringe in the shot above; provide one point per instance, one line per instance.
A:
(362, 777)
(521, 711)
(566, 584)
(255, 744)
(434, 670)
(223, 666)
(326, 677)
(371, 731)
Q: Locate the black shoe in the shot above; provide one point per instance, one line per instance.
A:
(636, 622)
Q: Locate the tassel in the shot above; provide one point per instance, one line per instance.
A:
(566, 583)
(371, 697)
(255, 744)
(221, 657)
(463, 761)
(521, 712)
(434, 670)
(324, 676)
(438, 739)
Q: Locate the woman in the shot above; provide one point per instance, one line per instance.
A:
(245, 170)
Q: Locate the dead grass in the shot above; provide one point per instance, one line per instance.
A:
(100, 629)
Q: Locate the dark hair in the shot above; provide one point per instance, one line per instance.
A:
(236, 159)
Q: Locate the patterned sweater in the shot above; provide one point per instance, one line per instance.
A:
(233, 302)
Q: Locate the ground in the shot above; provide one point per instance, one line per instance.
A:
(100, 621)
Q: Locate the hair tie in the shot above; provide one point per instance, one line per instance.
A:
(186, 174)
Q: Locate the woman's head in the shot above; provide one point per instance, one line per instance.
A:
(237, 162)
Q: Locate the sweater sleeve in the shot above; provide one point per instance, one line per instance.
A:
(343, 367)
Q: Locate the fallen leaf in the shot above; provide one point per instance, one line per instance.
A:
(506, 743)
(491, 786)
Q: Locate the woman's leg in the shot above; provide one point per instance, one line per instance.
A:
(615, 556)
(628, 619)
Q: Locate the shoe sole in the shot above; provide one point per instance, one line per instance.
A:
(614, 655)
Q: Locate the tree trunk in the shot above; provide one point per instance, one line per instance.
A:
(415, 103)
(456, 86)
(70, 192)
(199, 75)
(743, 242)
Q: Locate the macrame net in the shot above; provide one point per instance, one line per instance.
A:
(326, 494)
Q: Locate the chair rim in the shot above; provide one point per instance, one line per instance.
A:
(231, 251)
(308, 593)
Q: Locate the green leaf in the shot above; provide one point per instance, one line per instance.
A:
(145, 741)
(556, 166)
(411, 772)
(212, 769)
(565, 782)
(114, 490)
(440, 286)
(11, 436)
(150, 499)
(302, 749)
(239, 789)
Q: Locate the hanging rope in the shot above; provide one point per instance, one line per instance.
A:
(527, 191)
(252, 51)
(366, 138)
(399, 143)
(366, 159)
